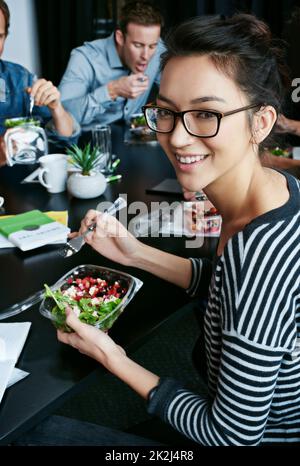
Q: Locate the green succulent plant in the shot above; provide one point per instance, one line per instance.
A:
(86, 159)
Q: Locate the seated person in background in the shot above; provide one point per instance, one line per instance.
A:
(110, 79)
(16, 86)
(284, 125)
(270, 160)
(287, 125)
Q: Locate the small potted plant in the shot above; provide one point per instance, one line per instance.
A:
(86, 182)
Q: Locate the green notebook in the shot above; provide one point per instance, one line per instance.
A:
(32, 229)
(27, 221)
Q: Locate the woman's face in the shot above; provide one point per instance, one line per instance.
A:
(193, 83)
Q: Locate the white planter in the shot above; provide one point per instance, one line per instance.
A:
(86, 187)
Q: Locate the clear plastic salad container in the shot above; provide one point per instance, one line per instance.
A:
(98, 295)
(25, 141)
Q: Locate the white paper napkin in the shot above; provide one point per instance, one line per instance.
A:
(17, 374)
(12, 338)
(6, 369)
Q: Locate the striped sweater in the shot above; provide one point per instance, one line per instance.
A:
(252, 339)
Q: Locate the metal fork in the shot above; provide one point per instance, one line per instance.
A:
(31, 105)
(200, 196)
(75, 244)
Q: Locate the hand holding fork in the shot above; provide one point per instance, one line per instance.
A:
(75, 244)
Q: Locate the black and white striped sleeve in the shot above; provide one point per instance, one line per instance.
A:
(201, 276)
(249, 331)
(238, 413)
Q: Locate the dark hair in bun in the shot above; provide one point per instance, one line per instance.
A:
(242, 47)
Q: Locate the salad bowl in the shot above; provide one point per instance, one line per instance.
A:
(97, 295)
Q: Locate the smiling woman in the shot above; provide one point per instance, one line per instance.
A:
(220, 92)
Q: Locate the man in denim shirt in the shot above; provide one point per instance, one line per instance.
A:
(16, 86)
(110, 79)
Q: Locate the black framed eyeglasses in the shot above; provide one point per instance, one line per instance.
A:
(199, 123)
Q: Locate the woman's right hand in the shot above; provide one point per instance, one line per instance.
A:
(110, 238)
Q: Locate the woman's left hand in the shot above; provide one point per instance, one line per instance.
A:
(90, 341)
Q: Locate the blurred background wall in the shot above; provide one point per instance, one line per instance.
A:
(65, 24)
(43, 32)
(22, 44)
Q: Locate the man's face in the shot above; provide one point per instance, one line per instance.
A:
(137, 46)
(2, 32)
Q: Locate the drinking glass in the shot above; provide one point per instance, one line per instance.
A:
(101, 138)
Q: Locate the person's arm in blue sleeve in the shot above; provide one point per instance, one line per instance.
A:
(75, 90)
(160, 50)
(86, 104)
(45, 94)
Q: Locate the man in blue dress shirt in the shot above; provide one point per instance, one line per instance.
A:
(110, 79)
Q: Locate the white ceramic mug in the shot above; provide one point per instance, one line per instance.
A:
(53, 172)
(296, 153)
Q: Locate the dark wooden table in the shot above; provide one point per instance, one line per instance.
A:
(58, 371)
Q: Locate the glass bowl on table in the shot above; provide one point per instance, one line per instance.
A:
(98, 295)
(138, 125)
(25, 140)
(138, 131)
